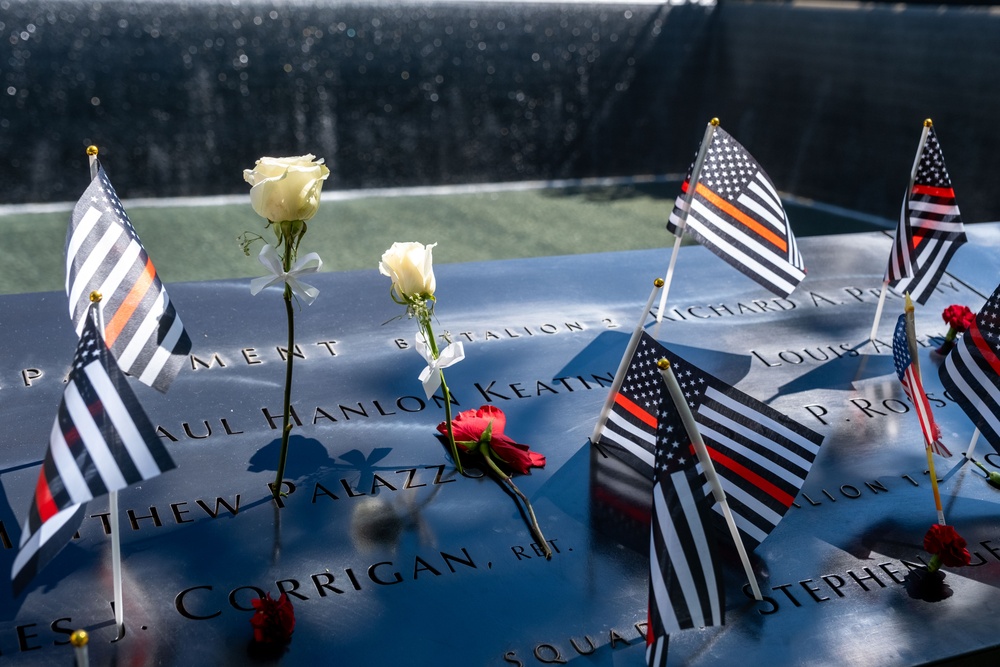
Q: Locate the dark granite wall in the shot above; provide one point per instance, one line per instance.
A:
(181, 96)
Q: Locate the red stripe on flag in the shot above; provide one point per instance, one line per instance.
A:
(636, 411)
(124, 313)
(43, 498)
(749, 475)
(933, 192)
(983, 347)
(735, 213)
(72, 436)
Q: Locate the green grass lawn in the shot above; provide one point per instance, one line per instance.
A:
(201, 242)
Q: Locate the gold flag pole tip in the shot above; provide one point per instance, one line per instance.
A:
(658, 282)
(91, 150)
(714, 121)
(95, 297)
(663, 364)
(928, 122)
(79, 638)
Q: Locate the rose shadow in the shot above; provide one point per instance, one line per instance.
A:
(927, 586)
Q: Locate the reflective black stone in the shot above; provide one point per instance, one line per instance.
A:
(399, 561)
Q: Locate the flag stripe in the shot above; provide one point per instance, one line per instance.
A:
(739, 216)
(944, 193)
(753, 518)
(635, 410)
(644, 454)
(67, 468)
(988, 357)
(114, 327)
(783, 284)
(43, 497)
(88, 270)
(752, 477)
(742, 455)
(797, 445)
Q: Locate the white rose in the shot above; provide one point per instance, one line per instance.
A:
(286, 188)
(411, 269)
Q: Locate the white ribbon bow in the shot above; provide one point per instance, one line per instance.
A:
(449, 356)
(268, 256)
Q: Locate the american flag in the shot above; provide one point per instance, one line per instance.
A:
(104, 254)
(907, 373)
(971, 371)
(685, 585)
(930, 227)
(762, 457)
(736, 213)
(101, 441)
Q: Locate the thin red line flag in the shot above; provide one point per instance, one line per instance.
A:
(930, 227)
(101, 441)
(971, 371)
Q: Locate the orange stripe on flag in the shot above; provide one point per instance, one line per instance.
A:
(635, 410)
(751, 476)
(983, 347)
(742, 217)
(124, 313)
(43, 498)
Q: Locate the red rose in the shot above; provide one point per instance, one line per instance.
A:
(958, 317)
(469, 427)
(274, 620)
(947, 545)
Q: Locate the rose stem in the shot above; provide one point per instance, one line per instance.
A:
(425, 321)
(535, 528)
(286, 425)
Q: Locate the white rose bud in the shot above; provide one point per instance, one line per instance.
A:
(411, 269)
(286, 188)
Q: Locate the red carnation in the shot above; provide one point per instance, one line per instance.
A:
(946, 547)
(470, 426)
(959, 319)
(274, 620)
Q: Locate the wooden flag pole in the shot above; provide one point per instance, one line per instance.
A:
(699, 162)
(616, 384)
(911, 341)
(116, 542)
(928, 123)
(677, 395)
